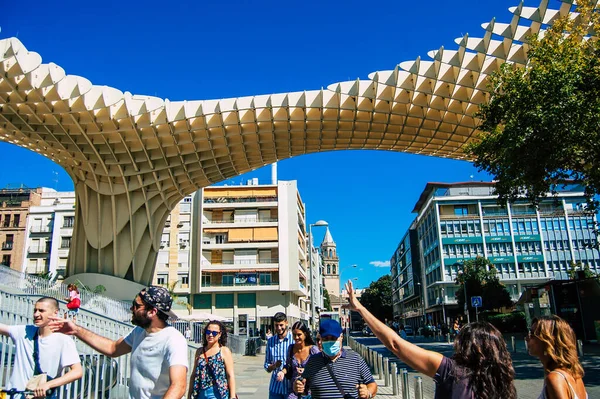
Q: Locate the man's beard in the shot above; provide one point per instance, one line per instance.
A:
(141, 321)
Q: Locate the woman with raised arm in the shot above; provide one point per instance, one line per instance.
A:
(552, 340)
(481, 367)
(212, 376)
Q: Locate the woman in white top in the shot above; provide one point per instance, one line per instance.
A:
(553, 341)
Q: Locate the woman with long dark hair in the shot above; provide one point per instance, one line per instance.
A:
(481, 367)
(298, 354)
(552, 340)
(213, 377)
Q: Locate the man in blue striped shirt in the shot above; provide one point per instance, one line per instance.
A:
(276, 357)
(335, 372)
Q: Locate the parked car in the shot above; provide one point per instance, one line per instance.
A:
(367, 332)
(409, 330)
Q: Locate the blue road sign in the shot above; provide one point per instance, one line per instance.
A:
(476, 301)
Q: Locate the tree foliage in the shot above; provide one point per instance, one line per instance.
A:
(481, 279)
(579, 270)
(541, 125)
(378, 298)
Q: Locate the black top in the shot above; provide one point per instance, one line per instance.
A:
(450, 382)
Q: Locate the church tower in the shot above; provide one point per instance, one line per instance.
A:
(331, 266)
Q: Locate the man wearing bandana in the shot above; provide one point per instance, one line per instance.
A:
(335, 372)
(159, 353)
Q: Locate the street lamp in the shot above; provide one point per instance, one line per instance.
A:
(465, 291)
(443, 306)
(319, 223)
(422, 289)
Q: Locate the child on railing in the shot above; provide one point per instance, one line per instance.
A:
(74, 301)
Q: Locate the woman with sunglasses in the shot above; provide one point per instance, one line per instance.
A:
(552, 340)
(480, 368)
(213, 376)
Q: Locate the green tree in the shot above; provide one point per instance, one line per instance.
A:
(541, 123)
(326, 301)
(579, 267)
(481, 279)
(378, 298)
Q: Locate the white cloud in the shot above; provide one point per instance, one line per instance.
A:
(379, 263)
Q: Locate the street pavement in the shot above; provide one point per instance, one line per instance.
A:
(253, 381)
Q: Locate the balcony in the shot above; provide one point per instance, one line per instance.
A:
(7, 246)
(238, 244)
(242, 265)
(39, 269)
(230, 286)
(42, 249)
(240, 222)
(39, 229)
(236, 202)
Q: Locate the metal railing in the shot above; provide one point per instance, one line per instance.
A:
(34, 285)
(240, 221)
(103, 377)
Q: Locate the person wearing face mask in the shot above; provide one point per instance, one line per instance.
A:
(335, 372)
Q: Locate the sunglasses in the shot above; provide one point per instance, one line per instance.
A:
(213, 333)
(136, 305)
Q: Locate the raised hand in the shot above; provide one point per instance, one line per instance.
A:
(64, 326)
(353, 303)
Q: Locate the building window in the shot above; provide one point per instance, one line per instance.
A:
(206, 280)
(162, 279)
(264, 278)
(65, 242)
(202, 301)
(6, 260)
(16, 220)
(8, 243)
(224, 301)
(461, 210)
(69, 221)
(220, 239)
(227, 279)
(185, 279)
(247, 300)
(6, 220)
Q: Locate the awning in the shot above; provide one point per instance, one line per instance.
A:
(207, 270)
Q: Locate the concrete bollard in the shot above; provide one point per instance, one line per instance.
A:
(405, 387)
(395, 381)
(514, 344)
(418, 388)
(580, 347)
(380, 365)
(386, 372)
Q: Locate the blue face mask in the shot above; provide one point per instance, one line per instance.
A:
(332, 348)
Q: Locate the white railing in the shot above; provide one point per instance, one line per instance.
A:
(103, 377)
(34, 285)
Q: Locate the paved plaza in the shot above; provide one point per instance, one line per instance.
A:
(253, 381)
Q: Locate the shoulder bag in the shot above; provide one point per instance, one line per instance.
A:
(39, 377)
(337, 383)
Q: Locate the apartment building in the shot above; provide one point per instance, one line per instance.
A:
(14, 210)
(407, 287)
(250, 256)
(49, 233)
(173, 259)
(527, 245)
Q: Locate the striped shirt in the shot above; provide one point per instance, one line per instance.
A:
(350, 369)
(277, 349)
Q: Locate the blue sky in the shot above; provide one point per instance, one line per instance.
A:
(208, 50)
